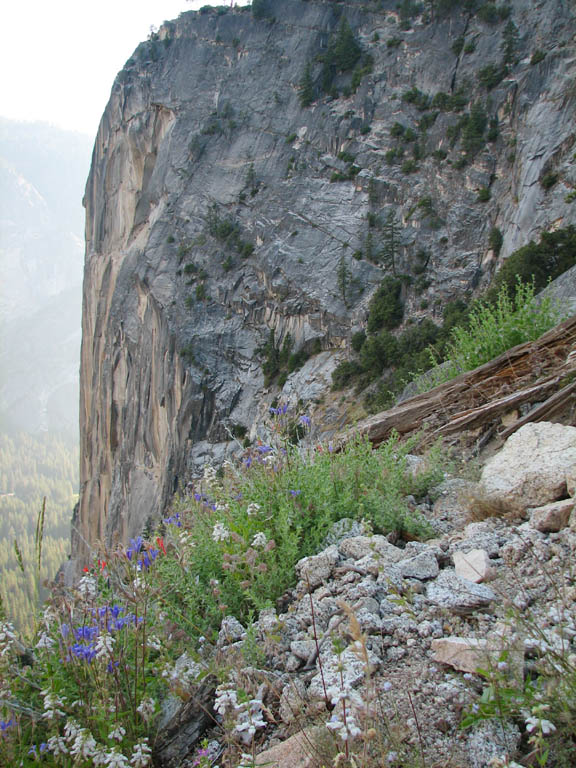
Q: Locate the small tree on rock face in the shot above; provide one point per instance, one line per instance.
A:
(391, 238)
(510, 39)
(306, 88)
(343, 277)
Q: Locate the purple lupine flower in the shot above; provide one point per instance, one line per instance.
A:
(5, 724)
(293, 492)
(135, 547)
(248, 462)
(263, 448)
(305, 420)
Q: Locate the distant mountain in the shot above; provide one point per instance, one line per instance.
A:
(42, 176)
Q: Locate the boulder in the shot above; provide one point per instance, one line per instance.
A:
(551, 517)
(423, 566)
(473, 565)
(379, 547)
(458, 595)
(533, 466)
(465, 654)
(296, 752)
(317, 569)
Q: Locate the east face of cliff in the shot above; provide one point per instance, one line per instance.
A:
(220, 209)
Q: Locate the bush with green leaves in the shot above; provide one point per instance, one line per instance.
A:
(494, 327)
(538, 262)
(386, 308)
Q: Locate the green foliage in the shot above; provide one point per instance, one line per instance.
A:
(548, 180)
(538, 262)
(358, 340)
(457, 46)
(386, 309)
(537, 57)
(342, 55)
(343, 275)
(494, 327)
(393, 42)
(483, 195)
(34, 468)
(492, 75)
(510, 40)
(490, 13)
(228, 231)
(349, 175)
(306, 90)
(495, 240)
(416, 97)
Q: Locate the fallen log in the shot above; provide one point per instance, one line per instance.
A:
(520, 376)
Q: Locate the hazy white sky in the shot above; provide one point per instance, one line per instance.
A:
(59, 58)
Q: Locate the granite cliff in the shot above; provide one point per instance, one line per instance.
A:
(238, 177)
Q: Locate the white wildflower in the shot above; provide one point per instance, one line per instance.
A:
(117, 734)
(146, 708)
(57, 745)
(104, 646)
(51, 704)
(141, 755)
(84, 745)
(154, 643)
(87, 586)
(210, 476)
(7, 637)
(71, 730)
(220, 532)
(116, 760)
(45, 641)
(253, 509)
(533, 723)
(222, 508)
(260, 540)
(100, 757)
(226, 699)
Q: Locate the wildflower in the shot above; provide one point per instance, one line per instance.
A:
(45, 641)
(263, 448)
(135, 547)
(260, 540)
(252, 509)
(154, 643)
(84, 745)
(117, 734)
(226, 699)
(71, 730)
(116, 760)
(160, 542)
(305, 420)
(5, 724)
(57, 745)
(87, 586)
(532, 723)
(173, 520)
(387, 686)
(293, 492)
(104, 646)
(141, 756)
(502, 666)
(146, 708)
(51, 704)
(220, 532)
(7, 637)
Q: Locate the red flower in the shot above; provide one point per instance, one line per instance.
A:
(160, 542)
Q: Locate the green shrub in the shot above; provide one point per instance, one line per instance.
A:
(386, 309)
(358, 340)
(537, 57)
(457, 46)
(393, 42)
(483, 195)
(539, 262)
(495, 240)
(494, 327)
(548, 180)
(409, 166)
(492, 75)
(260, 9)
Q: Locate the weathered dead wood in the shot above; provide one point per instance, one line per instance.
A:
(552, 404)
(523, 374)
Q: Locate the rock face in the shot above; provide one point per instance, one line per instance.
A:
(212, 221)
